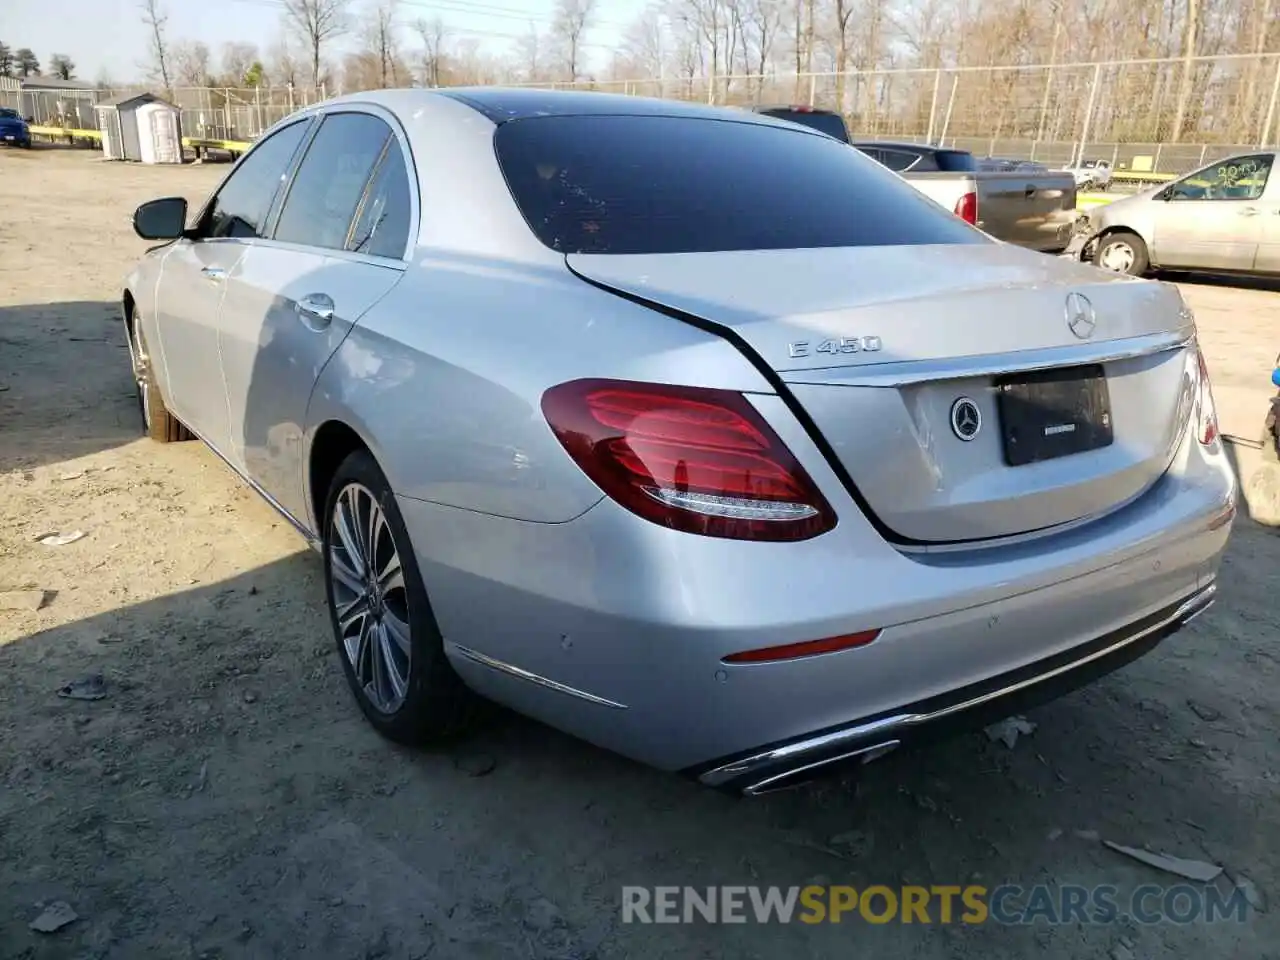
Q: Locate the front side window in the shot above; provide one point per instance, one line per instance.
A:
(1239, 178)
(240, 208)
(329, 183)
(634, 185)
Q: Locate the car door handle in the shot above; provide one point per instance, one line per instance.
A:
(1250, 212)
(215, 274)
(316, 306)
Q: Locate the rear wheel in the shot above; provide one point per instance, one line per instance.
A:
(391, 649)
(1122, 252)
(157, 422)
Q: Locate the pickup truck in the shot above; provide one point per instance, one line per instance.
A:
(1030, 209)
(1091, 174)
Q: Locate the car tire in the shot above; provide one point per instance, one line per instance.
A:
(392, 651)
(157, 422)
(1122, 252)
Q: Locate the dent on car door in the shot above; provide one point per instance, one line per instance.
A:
(1213, 219)
(336, 249)
(194, 283)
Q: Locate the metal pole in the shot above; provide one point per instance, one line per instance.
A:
(933, 107)
(951, 102)
(1271, 108)
(813, 89)
(1077, 159)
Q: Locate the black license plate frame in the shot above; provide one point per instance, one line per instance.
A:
(1050, 414)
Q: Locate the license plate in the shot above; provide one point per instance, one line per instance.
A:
(1054, 413)
(10, 137)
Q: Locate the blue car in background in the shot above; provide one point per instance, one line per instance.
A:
(14, 131)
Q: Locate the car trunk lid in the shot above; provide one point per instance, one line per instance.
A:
(880, 345)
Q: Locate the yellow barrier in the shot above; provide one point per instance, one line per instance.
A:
(1141, 177)
(195, 143)
(1085, 201)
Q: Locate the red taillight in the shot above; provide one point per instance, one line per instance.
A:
(1206, 410)
(967, 208)
(689, 458)
(807, 648)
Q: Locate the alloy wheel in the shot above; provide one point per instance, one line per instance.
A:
(370, 601)
(141, 371)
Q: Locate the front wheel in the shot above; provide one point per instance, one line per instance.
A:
(391, 649)
(1122, 252)
(157, 422)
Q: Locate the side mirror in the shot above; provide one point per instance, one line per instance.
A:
(164, 219)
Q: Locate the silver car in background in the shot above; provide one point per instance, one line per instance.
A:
(690, 432)
(1224, 218)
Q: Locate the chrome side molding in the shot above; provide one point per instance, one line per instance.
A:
(521, 674)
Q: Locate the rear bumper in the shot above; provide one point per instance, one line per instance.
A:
(616, 630)
(786, 764)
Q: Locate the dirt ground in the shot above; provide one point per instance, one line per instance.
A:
(227, 800)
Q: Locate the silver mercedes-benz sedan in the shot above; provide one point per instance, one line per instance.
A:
(688, 431)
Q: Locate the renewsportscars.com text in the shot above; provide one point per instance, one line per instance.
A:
(1007, 904)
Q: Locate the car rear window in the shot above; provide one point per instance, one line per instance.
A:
(955, 161)
(636, 185)
(8, 113)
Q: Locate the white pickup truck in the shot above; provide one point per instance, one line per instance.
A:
(1035, 209)
(1091, 174)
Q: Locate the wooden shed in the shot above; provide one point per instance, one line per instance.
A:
(141, 127)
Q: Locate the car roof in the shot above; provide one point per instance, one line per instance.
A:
(505, 104)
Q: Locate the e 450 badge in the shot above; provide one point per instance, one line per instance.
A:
(807, 348)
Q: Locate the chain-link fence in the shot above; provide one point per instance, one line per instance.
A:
(219, 113)
(1167, 115)
(1162, 115)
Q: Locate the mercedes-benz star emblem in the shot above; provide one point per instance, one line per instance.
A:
(966, 419)
(1080, 316)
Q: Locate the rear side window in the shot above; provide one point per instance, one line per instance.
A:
(955, 161)
(629, 185)
(382, 227)
(328, 185)
(898, 160)
(241, 206)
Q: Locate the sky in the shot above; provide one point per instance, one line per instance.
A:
(107, 36)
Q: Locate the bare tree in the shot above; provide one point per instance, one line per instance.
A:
(432, 34)
(190, 59)
(643, 51)
(572, 18)
(842, 11)
(282, 64)
(528, 53)
(238, 61)
(764, 22)
(316, 22)
(156, 20)
(380, 36)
